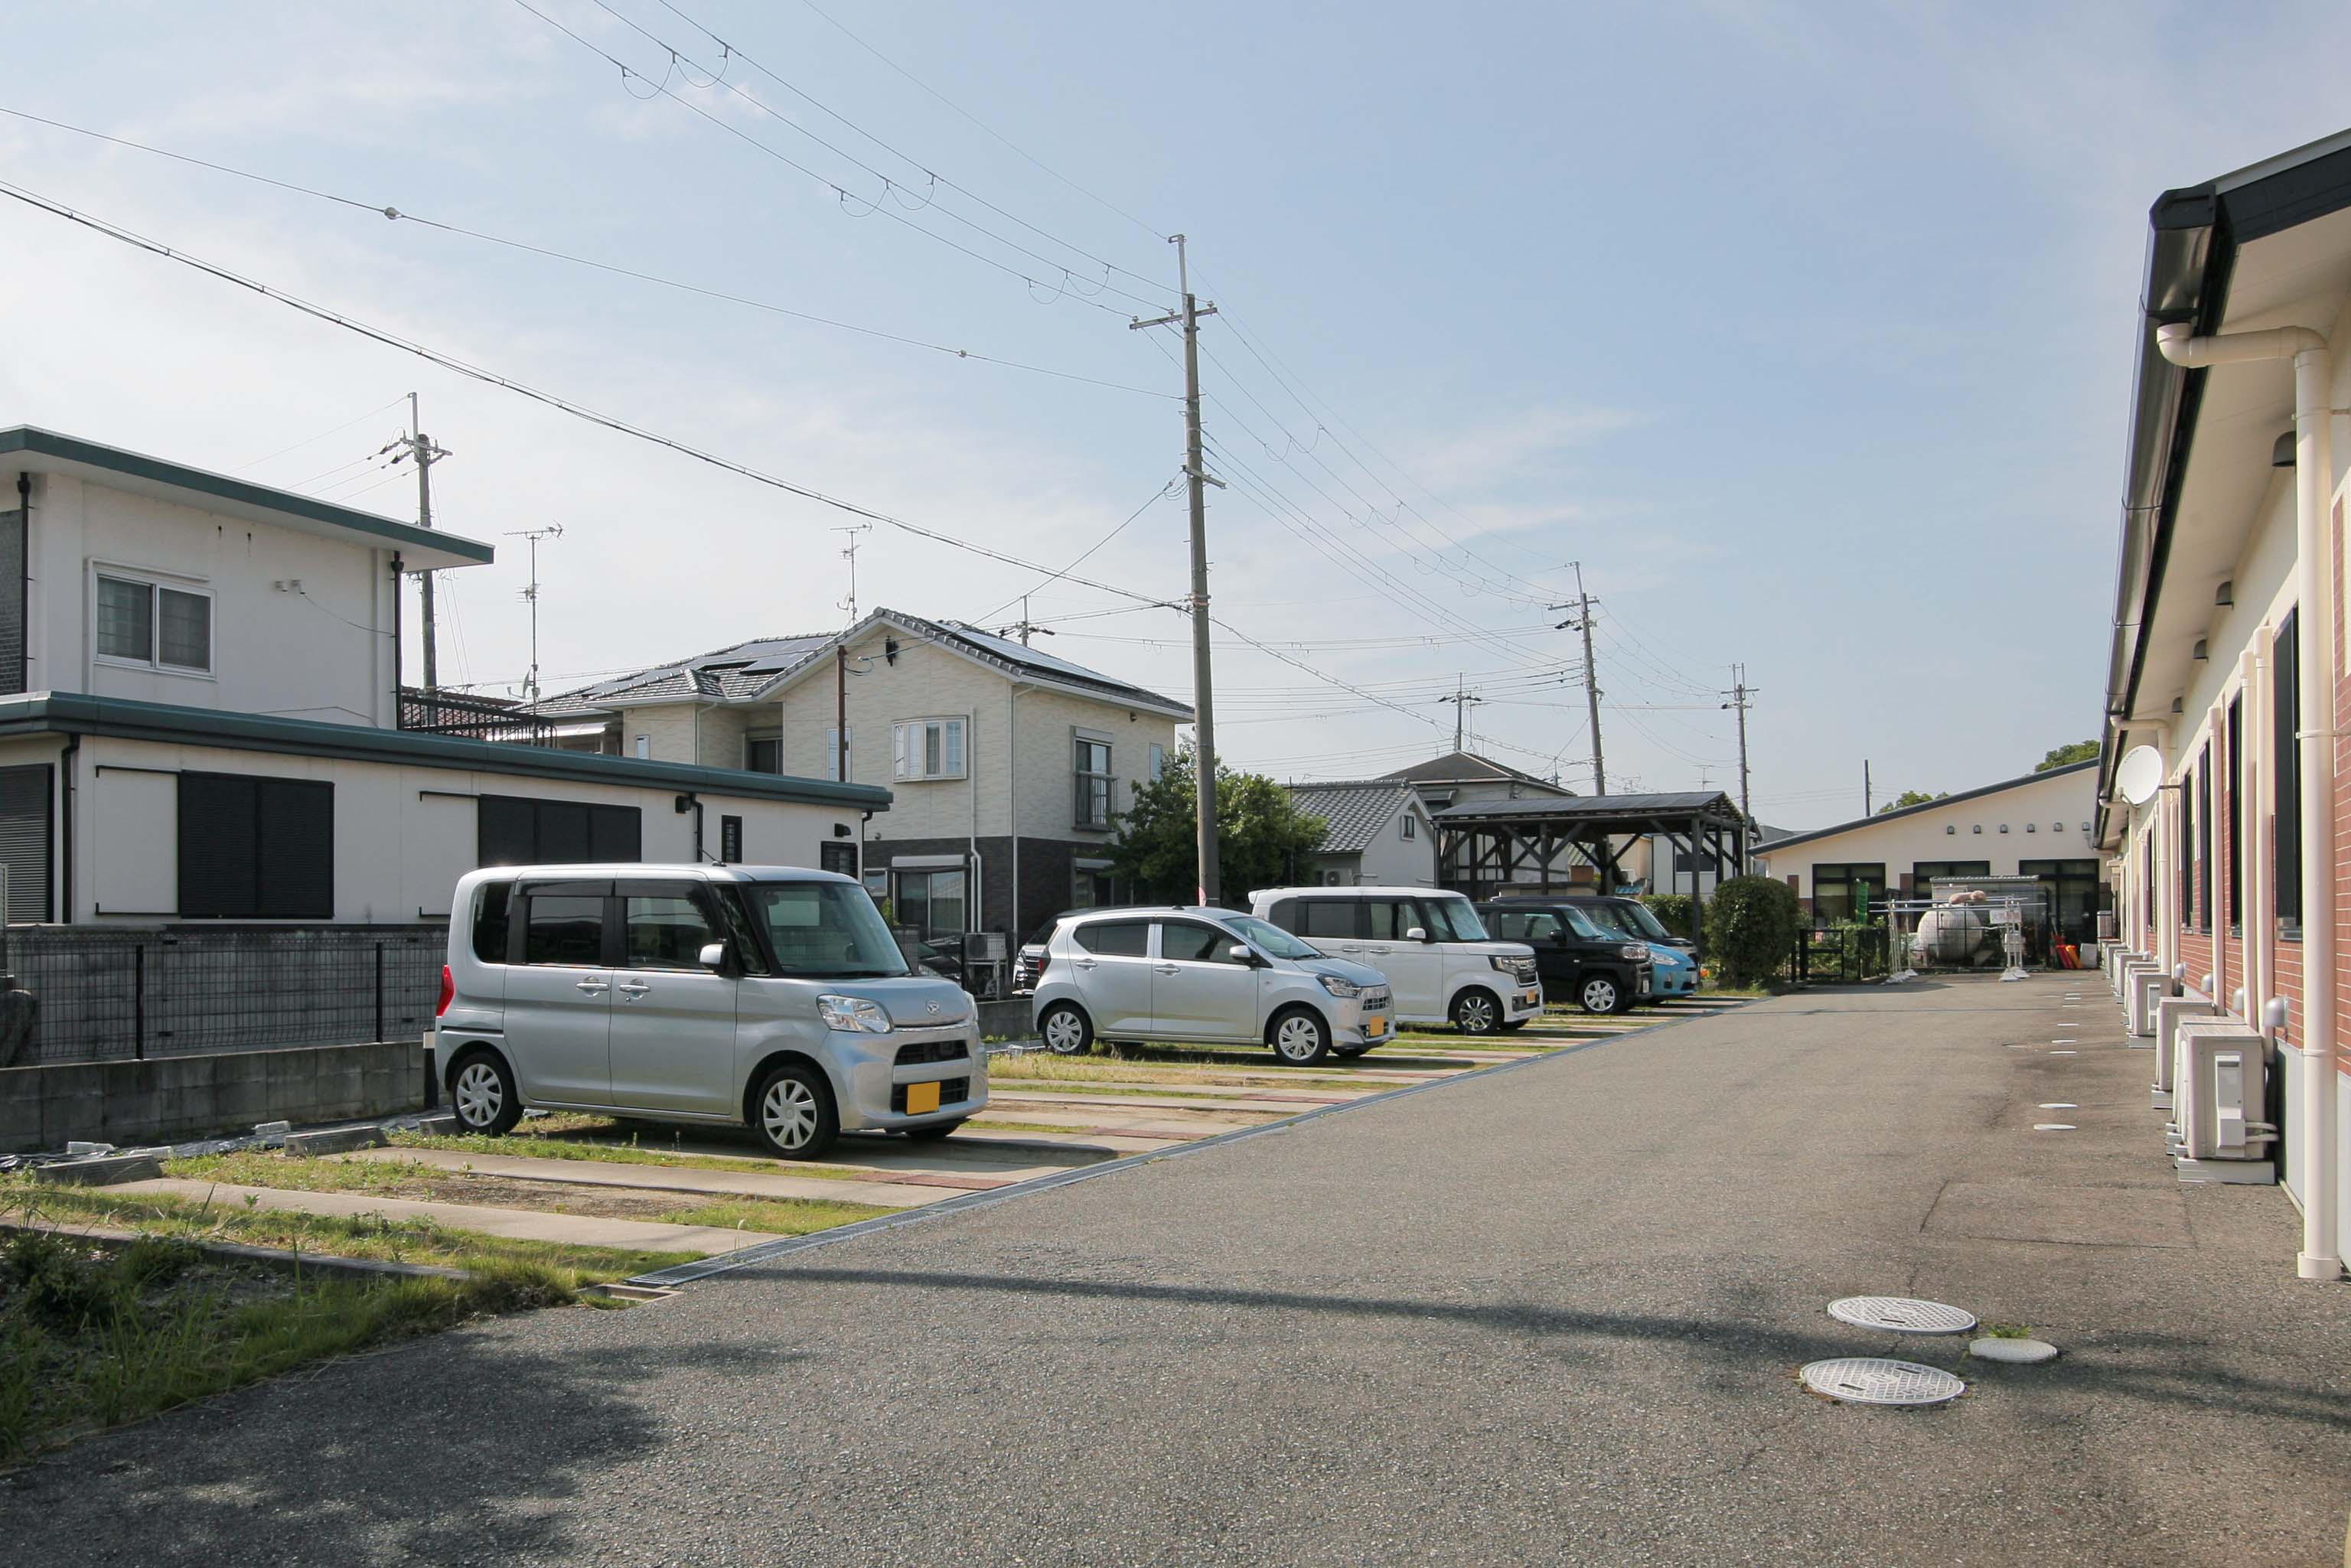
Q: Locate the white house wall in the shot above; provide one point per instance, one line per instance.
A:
(403, 834)
(1391, 860)
(2056, 807)
(324, 653)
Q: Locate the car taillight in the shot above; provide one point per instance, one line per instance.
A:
(1044, 959)
(448, 992)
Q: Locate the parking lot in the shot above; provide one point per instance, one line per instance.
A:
(600, 1181)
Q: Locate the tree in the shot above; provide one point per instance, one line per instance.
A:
(1260, 834)
(1750, 928)
(2059, 756)
(1910, 798)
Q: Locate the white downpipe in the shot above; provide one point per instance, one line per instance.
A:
(2252, 784)
(2313, 474)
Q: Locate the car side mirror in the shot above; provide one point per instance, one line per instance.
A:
(1417, 933)
(1241, 953)
(713, 957)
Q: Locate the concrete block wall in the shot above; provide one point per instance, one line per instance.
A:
(178, 1098)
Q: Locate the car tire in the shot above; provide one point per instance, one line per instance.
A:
(1066, 1030)
(1478, 1011)
(1512, 1026)
(482, 1094)
(1299, 1037)
(792, 1112)
(932, 1133)
(1603, 994)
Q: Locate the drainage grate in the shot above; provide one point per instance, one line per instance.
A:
(1901, 1314)
(1866, 1380)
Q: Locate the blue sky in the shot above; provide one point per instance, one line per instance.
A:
(1807, 330)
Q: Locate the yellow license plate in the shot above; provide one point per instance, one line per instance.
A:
(1531, 998)
(922, 1097)
(1376, 1024)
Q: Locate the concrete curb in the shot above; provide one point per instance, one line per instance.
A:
(744, 1257)
(335, 1140)
(268, 1256)
(101, 1170)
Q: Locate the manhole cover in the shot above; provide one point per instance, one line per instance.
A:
(1901, 1315)
(2021, 1351)
(1866, 1380)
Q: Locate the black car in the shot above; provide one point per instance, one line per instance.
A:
(1575, 955)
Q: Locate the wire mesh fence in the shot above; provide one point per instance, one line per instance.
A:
(107, 996)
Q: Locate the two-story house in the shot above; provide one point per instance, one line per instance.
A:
(1004, 765)
(201, 718)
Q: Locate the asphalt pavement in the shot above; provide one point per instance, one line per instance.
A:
(1550, 1314)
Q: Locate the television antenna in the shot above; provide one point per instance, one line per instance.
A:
(530, 597)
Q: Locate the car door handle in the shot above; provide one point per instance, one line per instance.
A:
(594, 987)
(1083, 962)
(635, 988)
(1167, 968)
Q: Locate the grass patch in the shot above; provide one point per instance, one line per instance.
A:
(341, 1236)
(1070, 1072)
(1986, 1329)
(93, 1335)
(580, 1140)
(775, 1215)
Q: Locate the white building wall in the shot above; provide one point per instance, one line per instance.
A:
(323, 652)
(2043, 817)
(1391, 860)
(403, 834)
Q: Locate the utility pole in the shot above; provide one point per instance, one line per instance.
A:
(1024, 627)
(530, 597)
(1204, 713)
(1739, 694)
(1583, 607)
(1462, 700)
(419, 447)
(841, 709)
(1867, 802)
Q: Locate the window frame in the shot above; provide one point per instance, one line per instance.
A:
(1089, 784)
(1081, 929)
(1411, 827)
(2236, 778)
(908, 768)
(1219, 947)
(763, 738)
(155, 584)
(274, 894)
(1844, 882)
(2285, 777)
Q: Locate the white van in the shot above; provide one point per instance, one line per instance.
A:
(1430, 945)
(769, 997)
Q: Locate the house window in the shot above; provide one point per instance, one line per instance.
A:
(147, 623)
(2075, 893)
(927, 748)
(515, 830)
(931, 901)
(833, 748)
(1096, 786)
(730, 841)
(2286, 768)
(1411, 828)
(1158, 760)
(255, 849)
(644, 747)
(837, 856)
(1846, 892)
(2188, 851)
(763, 753)
(1924, 873)
(2204, 838)
(24, 795)
(2236, 813)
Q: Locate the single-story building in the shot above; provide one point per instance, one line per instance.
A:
(1375, 832)
(2041, 825)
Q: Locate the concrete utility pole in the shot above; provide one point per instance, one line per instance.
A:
(1739, 694)
(1583, 607)
(1204, 712)
(419, 447)
(1868, 802)
(1462, 700)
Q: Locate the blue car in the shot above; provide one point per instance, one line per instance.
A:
(1675, 972)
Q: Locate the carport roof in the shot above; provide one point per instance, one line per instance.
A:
(1587, 808)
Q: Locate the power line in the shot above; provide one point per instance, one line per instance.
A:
(1158, 495)
(307, 441)
(615, 268)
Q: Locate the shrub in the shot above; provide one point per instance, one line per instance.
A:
(1750, 926)
(1675, 912)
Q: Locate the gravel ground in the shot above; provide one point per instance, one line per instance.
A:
(1552, 1314)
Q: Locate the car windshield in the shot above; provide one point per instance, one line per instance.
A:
(826, 929)
(1633, 920)
(1270, 939)
(1454, 920)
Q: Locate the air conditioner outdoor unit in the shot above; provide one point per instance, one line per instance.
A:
(2169, 1014)
(2219, 1104)
(2118, 971)
(2148, 987)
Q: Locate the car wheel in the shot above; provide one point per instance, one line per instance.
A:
(1477, 1012)
(931, 1133)
(1300, 1038)
(793, 1114)
(1067, 1029)
(1601, 994)
(482, 1094)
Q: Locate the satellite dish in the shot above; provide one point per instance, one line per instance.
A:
(2139, 774)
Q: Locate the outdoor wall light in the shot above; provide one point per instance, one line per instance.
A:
(1951, 827)
(1979, 827)
(2201, 651)
(2004, 827)
(2175, 704)
(2281, 454)
(2029, 826)
(2227, 594)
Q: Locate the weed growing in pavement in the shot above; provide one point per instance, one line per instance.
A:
(2004, 1331)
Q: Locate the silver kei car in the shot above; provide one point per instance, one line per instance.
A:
(769, 997)
(1205, 974)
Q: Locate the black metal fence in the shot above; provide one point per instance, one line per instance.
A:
(1835, 953)
(473, 718)
(107, 996)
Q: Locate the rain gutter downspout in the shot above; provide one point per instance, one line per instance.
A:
(2313, 470)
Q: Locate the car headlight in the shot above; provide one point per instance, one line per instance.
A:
(852, 1015)
(1507, 966)
(1339, 987)
(1635, 950)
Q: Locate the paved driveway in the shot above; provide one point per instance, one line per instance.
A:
(1547, 1314)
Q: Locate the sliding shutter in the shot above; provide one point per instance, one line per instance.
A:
(515, 830)
(298, 848)
(24, 795)
(255, 849)
(12, 607)
(508, 831)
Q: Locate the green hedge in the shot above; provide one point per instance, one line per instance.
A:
(1675, 912)
(1750, 928)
